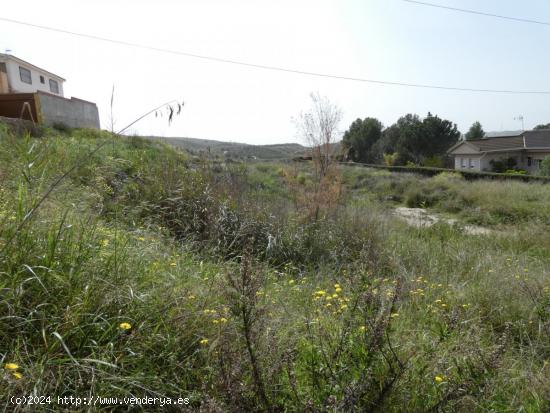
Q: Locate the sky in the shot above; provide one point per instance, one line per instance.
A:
(389, 40)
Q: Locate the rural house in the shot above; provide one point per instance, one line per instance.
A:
(31, 93)
(18, 76)
(524, 150)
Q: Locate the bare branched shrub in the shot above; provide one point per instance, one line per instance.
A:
(318, 127)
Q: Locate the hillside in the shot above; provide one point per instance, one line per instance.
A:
(130, 269)
(236, 150)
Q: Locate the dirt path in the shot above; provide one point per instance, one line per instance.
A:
(421, 218)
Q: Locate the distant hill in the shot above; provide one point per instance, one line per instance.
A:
(236, 150)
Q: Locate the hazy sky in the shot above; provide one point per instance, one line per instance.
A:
(388, 40)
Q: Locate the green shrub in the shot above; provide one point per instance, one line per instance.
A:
(545, 166)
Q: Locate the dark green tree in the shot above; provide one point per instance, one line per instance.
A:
(542, 126)
(360, 137)
(415, 139)
(438, 136)
(475, 132)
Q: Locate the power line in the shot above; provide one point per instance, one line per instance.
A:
(272, 68)
(480, 13)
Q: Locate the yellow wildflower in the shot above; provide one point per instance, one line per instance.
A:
(362, 328)
(393, 315)
(105, 242)
(11, 366)
(337, 286)
(320, 293)
(223, 320)
(173, 264)
(204, 342)
(125, 326)
(438, 379)
(17, 375)
(291, 282)
(338, 290)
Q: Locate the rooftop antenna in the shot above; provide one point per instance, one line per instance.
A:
(520, 117)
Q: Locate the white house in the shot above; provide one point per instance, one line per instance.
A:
(19, 76)
(527, 149)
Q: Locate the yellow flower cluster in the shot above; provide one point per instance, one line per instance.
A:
(218, 318)
(333, 301)
(125, 326)
(12, 368)
(418, 291)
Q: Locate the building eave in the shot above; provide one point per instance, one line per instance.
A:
(23, 62)
(458, 144)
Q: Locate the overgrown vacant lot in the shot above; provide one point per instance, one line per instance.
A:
(245, 288)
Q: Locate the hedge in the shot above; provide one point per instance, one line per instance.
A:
(468, 175)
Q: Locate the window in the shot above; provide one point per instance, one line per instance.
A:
(463, 162)
(470, 162)
(25, 75)
(2, 67)
(529, 161)
(54, 86)
(42, 80)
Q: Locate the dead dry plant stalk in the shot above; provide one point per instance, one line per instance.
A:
(244, 299)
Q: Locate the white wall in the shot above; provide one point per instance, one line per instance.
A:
(17, 86)
(471, 162)
(536, 157)
(521, 159)
(484, 163)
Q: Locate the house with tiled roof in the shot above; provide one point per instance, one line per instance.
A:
(526, 150)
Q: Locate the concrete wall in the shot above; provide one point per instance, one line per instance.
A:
(72, 112)
(17, 86)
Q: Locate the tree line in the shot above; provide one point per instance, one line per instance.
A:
(410, 140)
